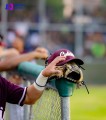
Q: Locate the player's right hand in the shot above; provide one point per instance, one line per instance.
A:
(41, 50)
(51, 68)
(41, 53)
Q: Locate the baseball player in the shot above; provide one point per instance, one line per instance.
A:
(29, 95)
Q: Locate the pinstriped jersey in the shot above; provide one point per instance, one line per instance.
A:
(10, 93)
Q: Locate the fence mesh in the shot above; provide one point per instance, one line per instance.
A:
(48, 106)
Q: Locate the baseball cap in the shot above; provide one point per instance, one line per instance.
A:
(69, 57)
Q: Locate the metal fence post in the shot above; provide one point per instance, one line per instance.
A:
(65, 108)
(65, 89)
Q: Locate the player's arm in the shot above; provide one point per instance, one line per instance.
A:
(35, 90)
(12, 62)
(8, 53)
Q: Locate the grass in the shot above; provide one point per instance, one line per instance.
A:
(89, 106)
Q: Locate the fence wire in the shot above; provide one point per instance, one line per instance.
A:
(48, 107)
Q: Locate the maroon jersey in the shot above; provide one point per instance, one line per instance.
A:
(10, 93)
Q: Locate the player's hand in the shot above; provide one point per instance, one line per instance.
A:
(51, 68)
(41, 50)
(41, 53)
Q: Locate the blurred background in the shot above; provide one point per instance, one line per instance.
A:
(78, 25)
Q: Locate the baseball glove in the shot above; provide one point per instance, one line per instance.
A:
(72, 72)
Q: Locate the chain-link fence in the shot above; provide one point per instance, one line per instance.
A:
(48, 107)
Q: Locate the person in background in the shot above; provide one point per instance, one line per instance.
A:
(6, 53)
(7, 65)
(18, 48)
(15, 110)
